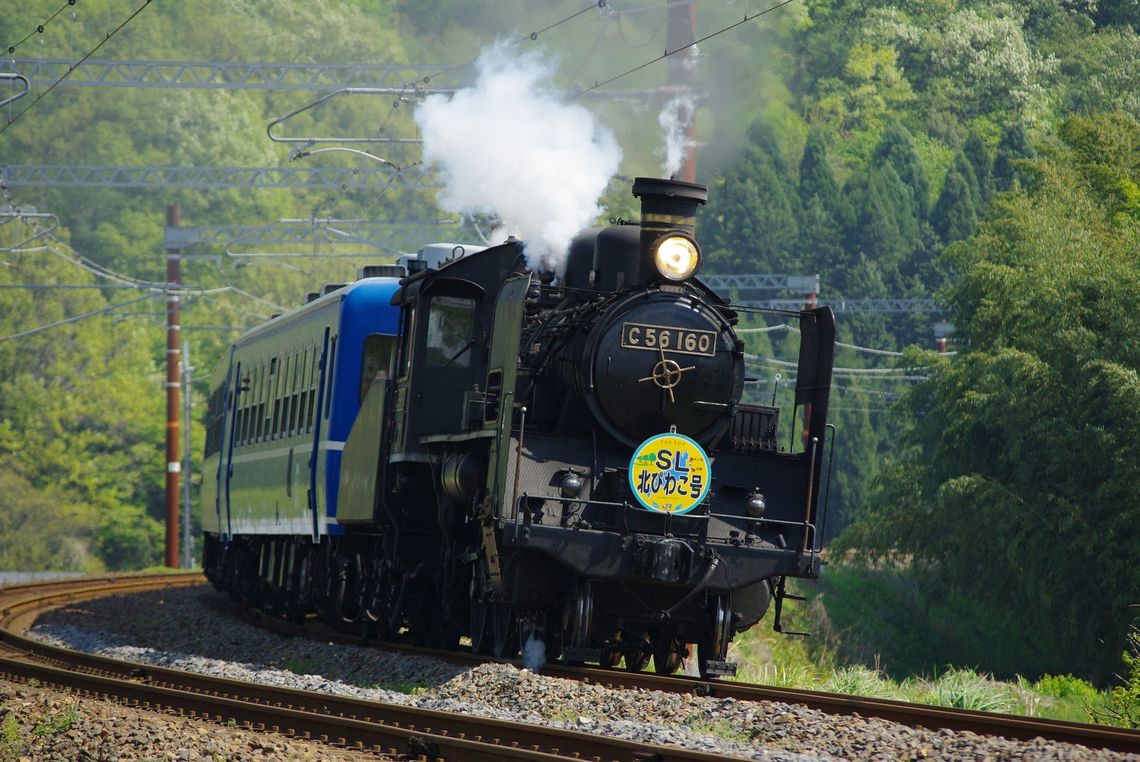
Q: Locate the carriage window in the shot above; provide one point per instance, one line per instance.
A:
(375, 361)
(450, 331)
(329, 378)
(264, 395)
(295, 400)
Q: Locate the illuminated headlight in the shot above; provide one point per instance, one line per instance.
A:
(676, 257)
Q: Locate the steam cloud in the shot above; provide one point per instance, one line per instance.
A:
(534, 653)
(511, 147)
(675, 119)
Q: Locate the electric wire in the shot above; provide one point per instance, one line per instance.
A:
(73, 319)
(534, 35)
(126, 281)
(856, 347)
(884, 372)
(75, 65)
(668, 53)
(40, 28)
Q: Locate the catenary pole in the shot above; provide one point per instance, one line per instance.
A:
(682, 31)
(173, 384)
(682, 26)
(187, 409)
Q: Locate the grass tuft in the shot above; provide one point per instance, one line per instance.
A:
(965, 689)
(857, 680)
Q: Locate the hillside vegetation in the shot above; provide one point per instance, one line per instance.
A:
(982, 154)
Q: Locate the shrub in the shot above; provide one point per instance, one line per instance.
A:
(1124, 702)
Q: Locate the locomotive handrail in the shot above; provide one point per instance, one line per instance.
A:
(810, 493)
(811, 531)
(822, 514)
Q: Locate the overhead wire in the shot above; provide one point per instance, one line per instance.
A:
(75, 65)
(531, 36)
(855, 347)
(534, 35)
(73, 319)
(126, 281)
(40, 28)
(686, 46)
(884, 372)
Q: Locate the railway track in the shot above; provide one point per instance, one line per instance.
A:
(417, 732)
(905, 713)
(397, 731)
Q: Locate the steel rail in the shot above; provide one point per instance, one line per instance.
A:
(351, 723)
(905, 713)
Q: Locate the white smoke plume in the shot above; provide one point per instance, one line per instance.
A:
(534, 653)
(512, 147)
(675, 119)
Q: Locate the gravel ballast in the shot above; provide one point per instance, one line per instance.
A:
(40, 724)
(196, 629)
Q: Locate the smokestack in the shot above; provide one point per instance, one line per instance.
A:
(666, 205)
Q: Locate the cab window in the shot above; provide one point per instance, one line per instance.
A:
(450, 331)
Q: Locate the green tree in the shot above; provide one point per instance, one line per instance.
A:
(1014, 145)
(817, 180)
(896, 148)
(882, 223)
(823, 211)
(43, 531)
(953, 216)
(982, 164)
(752, 228)
(1022, 481)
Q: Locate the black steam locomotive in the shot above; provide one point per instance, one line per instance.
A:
(477, 449)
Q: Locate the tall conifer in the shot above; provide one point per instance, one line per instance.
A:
(1014, 145)
(954, 216)
(982, 162)
(897, 149)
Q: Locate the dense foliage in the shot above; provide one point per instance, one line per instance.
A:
(1022, 478)
(979, 152)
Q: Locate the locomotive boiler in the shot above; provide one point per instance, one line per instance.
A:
(471, 448)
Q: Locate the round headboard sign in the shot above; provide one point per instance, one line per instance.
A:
(669, 473)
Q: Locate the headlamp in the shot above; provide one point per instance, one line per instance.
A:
(676, 257)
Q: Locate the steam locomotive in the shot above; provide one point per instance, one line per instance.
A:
(461, 446)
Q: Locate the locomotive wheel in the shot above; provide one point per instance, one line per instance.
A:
(667, 656)
(637, 660)
(609, 658)
(714, 644)
(577, 615)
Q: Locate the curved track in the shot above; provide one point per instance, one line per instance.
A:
(914, 715)
(405, 730)
(372, 726)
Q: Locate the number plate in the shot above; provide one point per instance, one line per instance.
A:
(686, 341)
